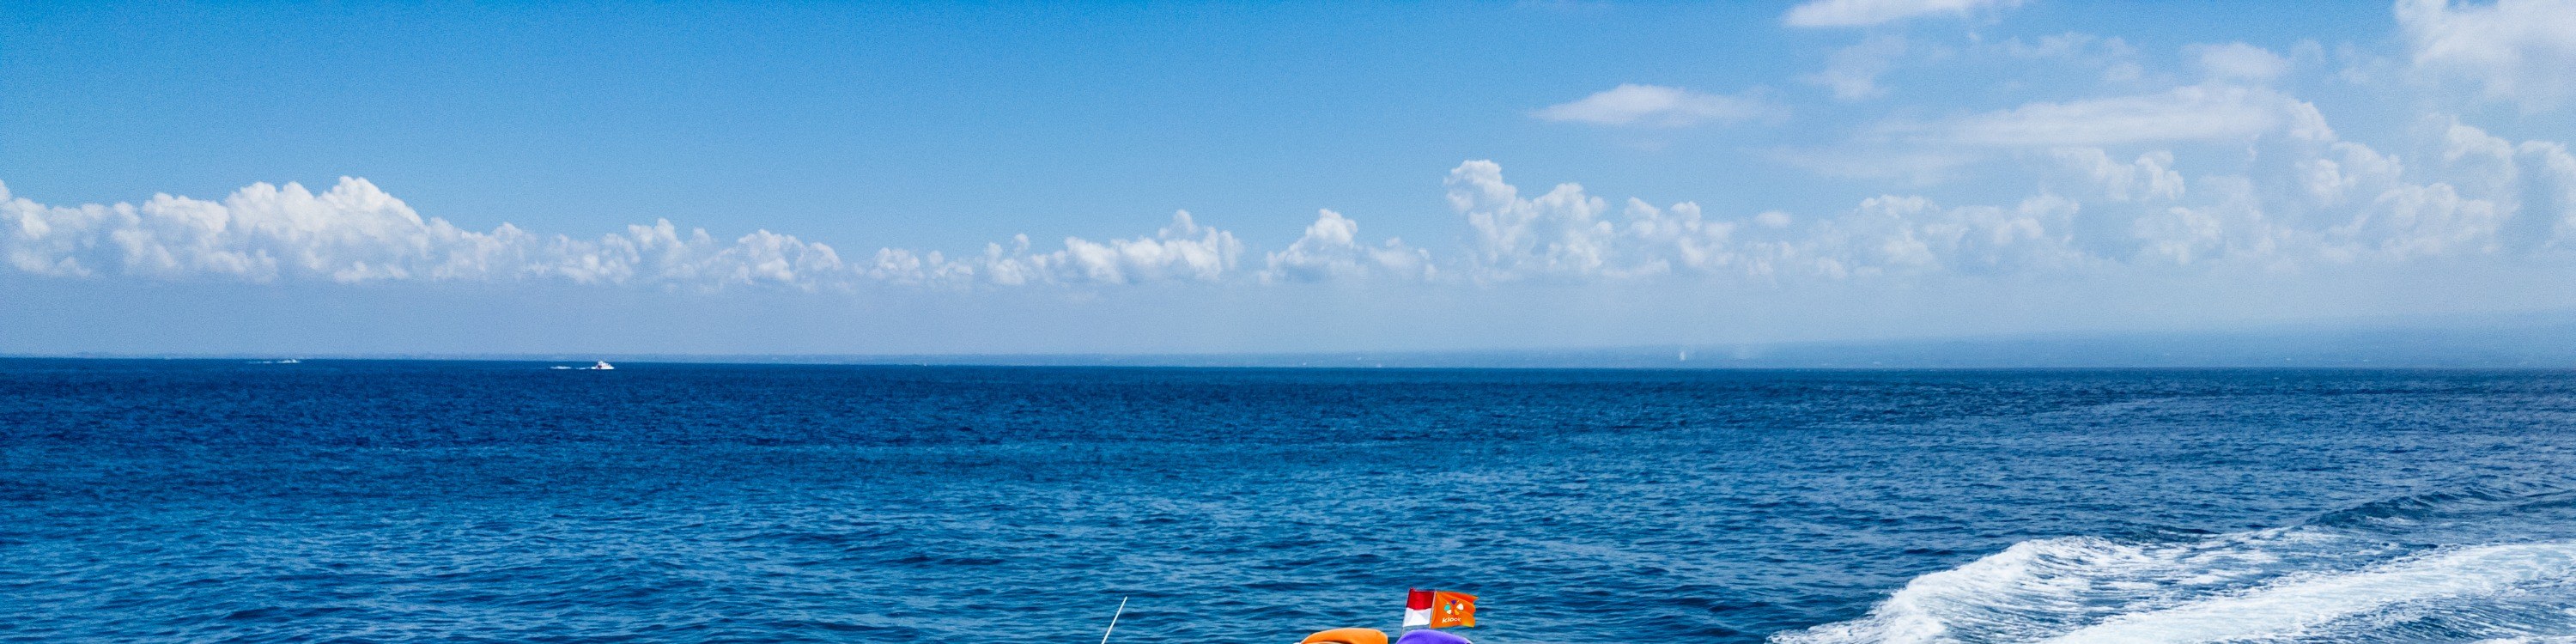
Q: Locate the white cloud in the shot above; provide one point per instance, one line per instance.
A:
(1855, 72)
(356, 233)
(2072, 46)
(2549, 193)
(2332, 178)
(2475, 160)
(1331, 250)
(2240, 62)
(2231, 225)
(2512, 50)
(1658, 106)
(2150, 177)
(2301, 196)
(1915, 165)
(1941, 150)
(1910, 235)
(2431, 220)
(1182, 251)
(2533, 182)
(1863, 13)
(1852, 72)
(906, 267)
(2329, 201)
(1560, 232)
(1566, 234)
(2193, 113)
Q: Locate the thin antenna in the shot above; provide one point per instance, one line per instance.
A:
(1113, 620)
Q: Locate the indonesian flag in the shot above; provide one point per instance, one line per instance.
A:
(1417, 608)
(1439, 609)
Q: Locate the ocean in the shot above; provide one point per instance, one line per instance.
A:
(419, 501)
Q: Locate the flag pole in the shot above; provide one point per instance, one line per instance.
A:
(1113, 620)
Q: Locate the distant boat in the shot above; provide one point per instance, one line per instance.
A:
(286, 361)
(601, 366)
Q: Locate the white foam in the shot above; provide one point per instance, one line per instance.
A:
(2038, 588)
(2271, 584)
(2290, 607)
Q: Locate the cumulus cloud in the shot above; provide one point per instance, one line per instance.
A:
(1913, 235)
(1658, 106)
(1863, 13)
(1560, 233)
(2150, 177)
(1567, 234)
(2512, 50)
(1331, 250)
(2321, 200)
(2548, 192)
(2333, 177)
(356, 233)
(1181, 251)
(2533, 182)
(2301, 196)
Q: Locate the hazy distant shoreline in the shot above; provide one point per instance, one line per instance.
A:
(2546, 346)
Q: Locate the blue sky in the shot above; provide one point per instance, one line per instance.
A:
(873, 178)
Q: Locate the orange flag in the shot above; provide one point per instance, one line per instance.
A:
(1452, 609)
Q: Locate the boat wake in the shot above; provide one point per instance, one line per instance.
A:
(2486, 565)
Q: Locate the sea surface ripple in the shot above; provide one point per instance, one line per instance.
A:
(353, 501)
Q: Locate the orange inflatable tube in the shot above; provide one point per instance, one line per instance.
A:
(1346, 636)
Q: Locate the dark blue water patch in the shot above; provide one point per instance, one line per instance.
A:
(426, 501)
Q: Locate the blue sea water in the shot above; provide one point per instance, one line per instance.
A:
(217, 501)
